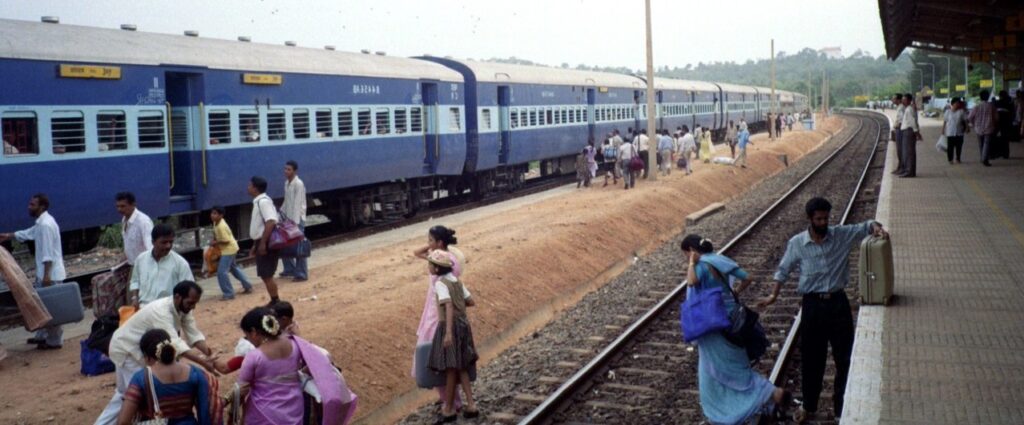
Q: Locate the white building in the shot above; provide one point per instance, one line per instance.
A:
(832, 52)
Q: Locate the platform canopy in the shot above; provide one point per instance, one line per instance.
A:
(989, 31)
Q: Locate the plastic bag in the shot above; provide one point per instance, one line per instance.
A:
(942, 144)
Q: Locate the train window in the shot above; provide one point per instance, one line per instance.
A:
(549, 117)
(300, 123)
(579, 114)
(585, 115)
(513, 118)
(363, 122)
(277, 126)
(533, 117)
(324, 128)
(111, 131)
(454, 119)
(485, 119)
(401, 121)
(557, 117)
(416, 121)
(344, 122)
(220, 127)
(383, 119)
(68, 132)
(20, 133)
(565, 115)
(249, 126)
(151, 129)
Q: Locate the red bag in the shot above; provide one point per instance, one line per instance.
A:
(285, 234)
(636, 164)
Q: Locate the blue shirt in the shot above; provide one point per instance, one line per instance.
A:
(743, 138)
(824, 267)
(664, 143)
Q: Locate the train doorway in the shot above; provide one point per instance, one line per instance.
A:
(504, 130)
(184, 93)
(431, 137)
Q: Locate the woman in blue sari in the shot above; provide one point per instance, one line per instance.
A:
(730, 391)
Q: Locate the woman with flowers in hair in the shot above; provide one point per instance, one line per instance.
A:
(183, 392)
(731, 392)
(270, 380)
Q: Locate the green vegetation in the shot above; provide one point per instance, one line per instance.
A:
(110, 237)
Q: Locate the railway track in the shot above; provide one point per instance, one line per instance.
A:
(320, 236)
(647, 374)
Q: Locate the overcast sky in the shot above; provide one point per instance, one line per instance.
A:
(594, 32)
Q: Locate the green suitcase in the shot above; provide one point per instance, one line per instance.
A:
(875, 271)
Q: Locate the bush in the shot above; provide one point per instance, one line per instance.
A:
(110, 237)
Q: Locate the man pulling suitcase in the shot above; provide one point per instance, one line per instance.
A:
(822, 253)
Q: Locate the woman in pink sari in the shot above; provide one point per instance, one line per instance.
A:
(271, 378)
(438, 238)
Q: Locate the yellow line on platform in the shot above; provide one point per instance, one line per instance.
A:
(1017, 234)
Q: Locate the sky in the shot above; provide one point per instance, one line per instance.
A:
(552, 32)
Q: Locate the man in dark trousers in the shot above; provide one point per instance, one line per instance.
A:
(822, 253)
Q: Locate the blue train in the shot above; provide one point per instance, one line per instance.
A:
(184, 121)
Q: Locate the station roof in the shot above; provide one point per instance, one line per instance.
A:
(495, 72)
(62, 42)
(986, 30)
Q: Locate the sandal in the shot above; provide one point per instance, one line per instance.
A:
(442, 419)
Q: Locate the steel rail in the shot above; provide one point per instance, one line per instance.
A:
(553, 403)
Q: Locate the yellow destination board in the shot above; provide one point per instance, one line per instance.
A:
(986, 83)
(90, 71)
(944, 91)
(271, 79)
(961, 87)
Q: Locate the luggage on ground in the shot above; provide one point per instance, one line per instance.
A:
(110, 290)
(102, 331)
(303, 249)
(875, 270)
(93, 361)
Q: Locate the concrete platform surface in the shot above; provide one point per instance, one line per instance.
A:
(950, 349)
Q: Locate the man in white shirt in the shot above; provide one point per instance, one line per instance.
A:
(264, 218)
(642, 143)
(173, 314)
(897, 133)
(687, 145)
(157, 271)
(910, 135)
(294, 208)
(136, 227)
(626, 153)
(49, 261)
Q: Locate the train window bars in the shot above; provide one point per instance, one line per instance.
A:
(67, 130)
(111, 131)
(485, 119)
(20, 132)
(152, 133)
(383, 118)
(401, 121)
(300, 123)
(513, 118)
(416, 124)
(345, 122)
(564, 114)
(219, 127)
(533, 117)
(324, 128)
(454, 119)
(249, 126)
(277, 126)
(365, 125)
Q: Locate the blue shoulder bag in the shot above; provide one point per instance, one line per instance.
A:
(703, 312)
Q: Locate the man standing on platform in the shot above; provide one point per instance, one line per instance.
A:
(822, 253)
(264, 219)
(157, 271)
(910, 135)
(172, 314)
(136, 230)
(642, 143)
(983, 119)
(294, 208)
(49, 261)
(743, 140)
(897, 100)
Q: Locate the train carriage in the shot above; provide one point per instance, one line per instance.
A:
(689, 103)
(185, 121)
(740, 102)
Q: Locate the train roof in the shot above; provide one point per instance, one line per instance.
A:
(737, 88)
(690, 85)
(494, 72)
(62, 42)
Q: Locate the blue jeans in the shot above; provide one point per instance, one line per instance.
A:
(296, 267)
(227, 265)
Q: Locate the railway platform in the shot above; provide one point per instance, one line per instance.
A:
(949, 348)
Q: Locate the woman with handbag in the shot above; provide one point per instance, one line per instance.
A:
(168, 391)
(731, 392)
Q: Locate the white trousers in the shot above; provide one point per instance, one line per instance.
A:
(124, 377)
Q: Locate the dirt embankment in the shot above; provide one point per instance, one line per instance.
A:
(525, 265)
